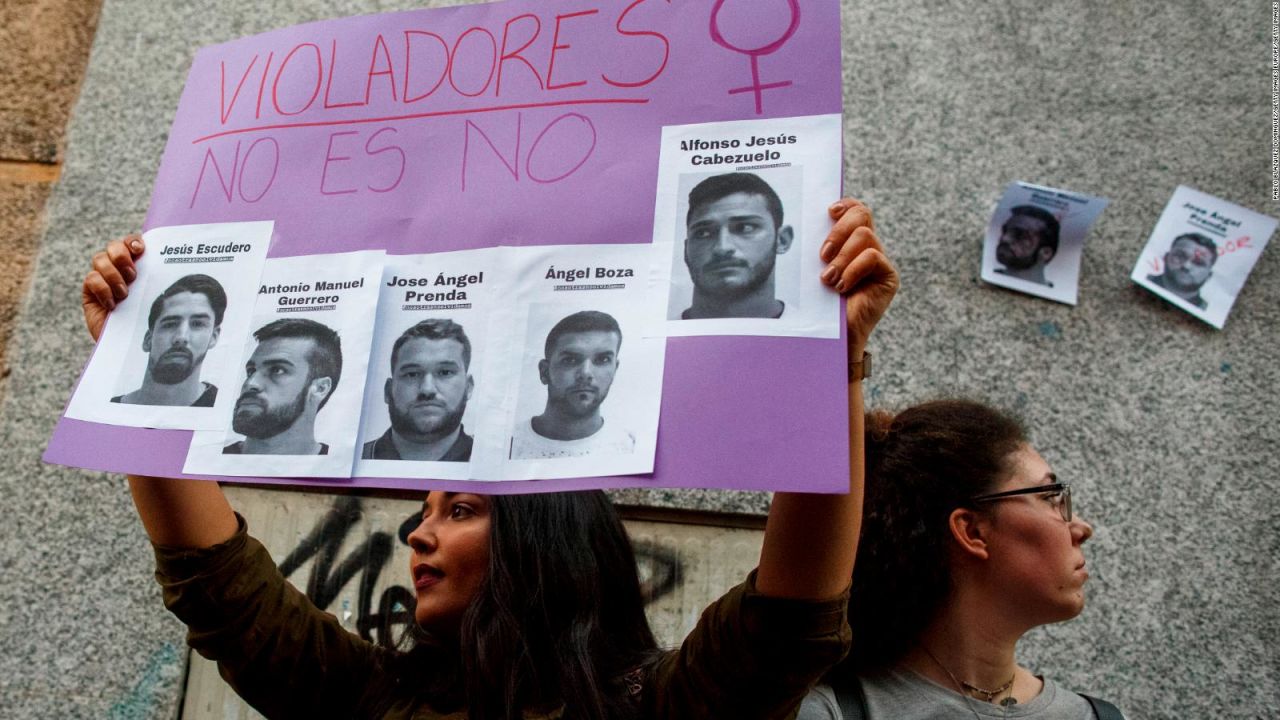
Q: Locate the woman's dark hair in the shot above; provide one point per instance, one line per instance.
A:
(558, 621)
(922, 464)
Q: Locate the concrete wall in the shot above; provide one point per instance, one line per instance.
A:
(44, 45)
(1165, 427)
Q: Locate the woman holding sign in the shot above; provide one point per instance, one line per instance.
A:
(529, 606)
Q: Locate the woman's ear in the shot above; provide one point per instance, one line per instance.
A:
(969, 529)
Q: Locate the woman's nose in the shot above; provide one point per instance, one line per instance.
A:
(423, 537)
(1081, 528)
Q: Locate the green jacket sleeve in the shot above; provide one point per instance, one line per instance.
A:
(749, 656)
(279, 652)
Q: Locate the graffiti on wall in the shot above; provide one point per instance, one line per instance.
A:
(386, 619)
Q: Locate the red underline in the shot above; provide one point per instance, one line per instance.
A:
(416, 116)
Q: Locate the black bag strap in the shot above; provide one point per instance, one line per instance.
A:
(852, 701)
(1102, 709)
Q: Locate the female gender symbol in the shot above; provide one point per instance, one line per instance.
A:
(754, 53)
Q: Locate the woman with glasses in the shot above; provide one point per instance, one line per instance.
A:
(968, 542)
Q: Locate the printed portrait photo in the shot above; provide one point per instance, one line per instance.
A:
(423, 380)
(183, 324)
(1028, 242)
(292, 372)
(1186, 266)
(733, 244)
(1201, 252)
(295, 399)
(1035, 240)
(740, 212)
(168, 352)
(573, 388)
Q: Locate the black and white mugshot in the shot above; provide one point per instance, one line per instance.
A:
(1028, 241)
(1187, 267)
(580, 361)
(734, 234)
(288, 379)
(427, 395)
(182, 327)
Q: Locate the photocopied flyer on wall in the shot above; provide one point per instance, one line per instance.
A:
(1035, 240)
(702, 136)
(1200, 253)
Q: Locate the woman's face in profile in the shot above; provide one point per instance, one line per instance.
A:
(449, 558)
(1038, 554)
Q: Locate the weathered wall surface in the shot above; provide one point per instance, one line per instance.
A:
(43, 48)
(1165, 427)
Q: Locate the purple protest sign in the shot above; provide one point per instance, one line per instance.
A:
(513, 123)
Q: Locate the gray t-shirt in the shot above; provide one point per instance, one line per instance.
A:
(906, 695)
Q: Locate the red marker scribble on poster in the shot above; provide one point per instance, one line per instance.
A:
(755, 54)
(1240, 243)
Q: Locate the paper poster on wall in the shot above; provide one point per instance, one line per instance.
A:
(303, 372)
(583, 384)
(1035, 240)
(1201, 252)
(165, 356)
(426, 380)
(741, 213)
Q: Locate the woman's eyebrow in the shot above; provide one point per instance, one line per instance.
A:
(445, 495)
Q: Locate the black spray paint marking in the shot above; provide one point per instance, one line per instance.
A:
(660, 570)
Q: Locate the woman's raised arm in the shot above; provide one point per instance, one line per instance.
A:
(811, 540)
(179, 513)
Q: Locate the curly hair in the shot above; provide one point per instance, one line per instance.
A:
(922, 464)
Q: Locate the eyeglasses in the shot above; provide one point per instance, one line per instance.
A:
(1058, 495)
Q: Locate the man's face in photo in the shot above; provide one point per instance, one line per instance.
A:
(429, 387)
(278, 387)
(1188, 264)
(580, 370)
(1020, 245)
(183, 333)
(732, 245)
